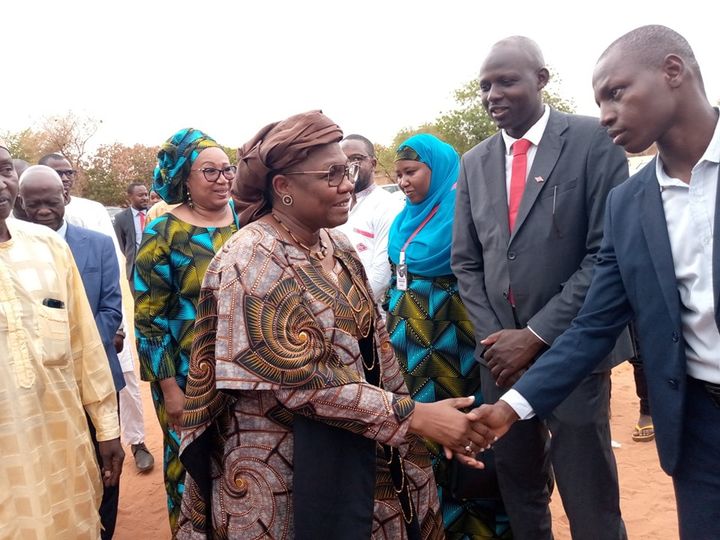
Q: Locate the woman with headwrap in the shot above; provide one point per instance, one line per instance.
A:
(297, 422)
(194, 173)
(427, 322)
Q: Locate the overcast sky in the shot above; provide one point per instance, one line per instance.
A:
(149, 68)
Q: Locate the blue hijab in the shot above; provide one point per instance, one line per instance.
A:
(428, 254)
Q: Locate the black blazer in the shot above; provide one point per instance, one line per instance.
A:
(634, 277)
(124, 225)
(548, 259)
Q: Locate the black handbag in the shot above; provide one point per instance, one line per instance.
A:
(468, 483)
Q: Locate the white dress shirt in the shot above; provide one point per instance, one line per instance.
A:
(367, 229)
(138, 226)
(534, 135)
(690, 216)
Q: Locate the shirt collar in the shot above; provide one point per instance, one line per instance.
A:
(135, 211)
(711, 155)
(534, 134)
(62, 231)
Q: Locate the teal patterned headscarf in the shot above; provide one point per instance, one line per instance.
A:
(175, 158)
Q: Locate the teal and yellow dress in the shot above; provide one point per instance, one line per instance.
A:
(429, 327)
(434, 343)
(169, 269)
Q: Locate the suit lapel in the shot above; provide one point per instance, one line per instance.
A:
(493, 166)
(548, 153)
(654, 226)
(74, 238)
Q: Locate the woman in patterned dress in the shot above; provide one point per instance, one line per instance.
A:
(428, 325)
(194, 173)
(297, 422)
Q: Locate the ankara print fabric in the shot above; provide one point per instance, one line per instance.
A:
(169, 269)
(277, 336)
(434, 341)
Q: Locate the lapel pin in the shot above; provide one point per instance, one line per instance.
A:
(539, 179)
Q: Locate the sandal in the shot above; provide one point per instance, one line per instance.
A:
(643, 433)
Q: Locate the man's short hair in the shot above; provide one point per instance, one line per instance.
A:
(369, 147)
(132, 185)
(50, 157)
(652, 43)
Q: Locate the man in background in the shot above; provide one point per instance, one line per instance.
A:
(371, 214)
(130, 223)
(92, 215)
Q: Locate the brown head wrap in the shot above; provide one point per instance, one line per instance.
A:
(275, 148)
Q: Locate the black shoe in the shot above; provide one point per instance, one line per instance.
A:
(143, 458)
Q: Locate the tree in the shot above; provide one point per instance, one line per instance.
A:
(69, 136)
(113, 167)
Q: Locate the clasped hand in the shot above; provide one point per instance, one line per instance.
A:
(456, 431)
(509, 352)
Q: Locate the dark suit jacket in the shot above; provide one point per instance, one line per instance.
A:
(634, 277)
(548, 259)
(124, 224)
(95, 258)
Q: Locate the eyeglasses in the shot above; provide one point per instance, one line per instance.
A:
(335, 174)
(68, 173)
(212, 174)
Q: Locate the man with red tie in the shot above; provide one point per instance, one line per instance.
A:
(129, 225)
(528, 224)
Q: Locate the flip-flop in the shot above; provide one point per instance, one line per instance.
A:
(643, 433)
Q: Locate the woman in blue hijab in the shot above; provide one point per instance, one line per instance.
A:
(428, 324)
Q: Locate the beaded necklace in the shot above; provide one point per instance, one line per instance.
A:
(319, 255)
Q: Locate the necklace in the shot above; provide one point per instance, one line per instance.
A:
(319, 255)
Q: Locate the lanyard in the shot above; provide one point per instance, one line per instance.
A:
(413, 235)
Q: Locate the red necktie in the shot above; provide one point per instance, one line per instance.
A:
(141, 215)
(518, 177)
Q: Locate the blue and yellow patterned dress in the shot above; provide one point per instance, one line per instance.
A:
(434, 343)
(170, 266)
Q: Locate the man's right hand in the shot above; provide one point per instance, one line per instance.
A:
(498, 417)
(443, 423)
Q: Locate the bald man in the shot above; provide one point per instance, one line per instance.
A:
(659, 263)
(42, 195)
(528, 226)
(54, 372)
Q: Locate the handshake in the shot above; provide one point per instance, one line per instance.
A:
(463, 435)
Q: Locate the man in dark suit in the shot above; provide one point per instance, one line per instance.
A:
(528, 225)
(42, 197)
(129, 225)
(659, 263)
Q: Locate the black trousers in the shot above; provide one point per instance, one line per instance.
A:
(581, 456)
(111, 495)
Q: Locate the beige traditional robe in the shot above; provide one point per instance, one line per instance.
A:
(53, 369)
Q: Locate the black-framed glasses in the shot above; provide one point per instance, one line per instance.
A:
(336, 173)
(212, 174)
(67, 173)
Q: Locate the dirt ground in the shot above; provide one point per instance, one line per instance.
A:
(647, 501)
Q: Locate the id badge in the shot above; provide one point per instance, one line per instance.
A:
(401, 273)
